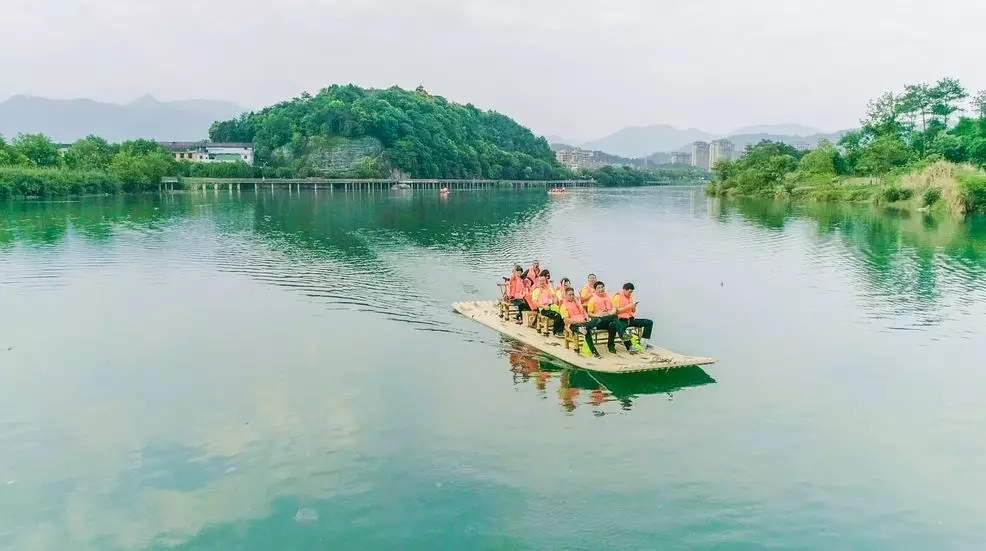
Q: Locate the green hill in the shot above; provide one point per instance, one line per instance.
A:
(352, 131)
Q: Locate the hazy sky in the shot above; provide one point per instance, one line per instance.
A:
(578, 68)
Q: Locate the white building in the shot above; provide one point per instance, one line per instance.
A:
(700, 155)
(577, 158)
(681, 158)
(211, 152)
(720, 149)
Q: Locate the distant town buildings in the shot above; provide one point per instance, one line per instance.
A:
(700, 155)
(210, 152)
(577, 158)
(681, 158)
(719, 150)
(801, 146)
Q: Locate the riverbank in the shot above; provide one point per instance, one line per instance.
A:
(942, 186)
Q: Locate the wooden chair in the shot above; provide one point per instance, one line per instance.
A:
(508, 310)
(530, 318)
(573, 340)
(545, 325)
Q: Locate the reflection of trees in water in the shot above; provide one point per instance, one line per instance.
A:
(907, 260)
(577, 387)
(355, 250)
(473, 220)
(96, 219)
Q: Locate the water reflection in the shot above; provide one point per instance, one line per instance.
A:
(576, 388)
(915, 270)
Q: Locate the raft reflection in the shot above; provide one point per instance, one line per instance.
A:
(577, 387)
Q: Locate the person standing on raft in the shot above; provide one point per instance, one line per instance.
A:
(626, 310)
(601, 309)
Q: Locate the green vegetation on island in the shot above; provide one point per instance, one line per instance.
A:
(368, 133)
(912, 149)
(341, 132)
(348, 131)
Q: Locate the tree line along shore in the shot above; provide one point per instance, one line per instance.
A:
(340, 132)
(921, 148)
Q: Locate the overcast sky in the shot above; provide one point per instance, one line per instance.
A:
(577, 68)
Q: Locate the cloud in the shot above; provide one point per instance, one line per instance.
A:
(576, 67)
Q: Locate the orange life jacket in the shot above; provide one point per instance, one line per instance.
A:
(573, 312)
(530, 299)
(620, 300)
(533, 273)
(586, 293)
(545, 296)
(599, 304)
(515, 288)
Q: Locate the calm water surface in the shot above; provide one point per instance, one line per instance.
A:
(266, 372)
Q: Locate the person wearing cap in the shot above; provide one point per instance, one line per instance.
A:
(626, 311)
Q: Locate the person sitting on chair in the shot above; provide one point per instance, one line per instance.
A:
(626, 310)
(574, 314)
(544, 298)
(516, 291)
(601, 309)
(588, 290)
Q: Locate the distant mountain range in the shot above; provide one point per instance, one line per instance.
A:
(642, 141)
(65, 121)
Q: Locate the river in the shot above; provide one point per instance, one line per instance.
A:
(275, 371)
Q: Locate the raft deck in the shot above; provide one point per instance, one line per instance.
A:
(652, 359)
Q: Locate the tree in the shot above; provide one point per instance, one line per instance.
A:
(884, 154)
(945, 96)
(37, 149)
(917, 102)
(820, 161)
(10, 156)
(89, 153)
(979, 103)
(883, 115)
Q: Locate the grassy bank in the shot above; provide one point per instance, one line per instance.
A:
(941, 186)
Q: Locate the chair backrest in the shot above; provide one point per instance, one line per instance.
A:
(503, 289)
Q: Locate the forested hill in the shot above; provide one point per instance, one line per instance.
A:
(348, 130)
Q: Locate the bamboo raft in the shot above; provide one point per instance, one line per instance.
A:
(652, 359)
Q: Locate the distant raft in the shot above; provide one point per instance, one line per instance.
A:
(652, 359)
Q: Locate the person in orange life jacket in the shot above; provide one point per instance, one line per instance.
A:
(601, 309)
(533, 272)
(544, 299)
(564, 284)
(528, 297)
(626, 310)
(588, 290)
(574, 314)
(516, 291)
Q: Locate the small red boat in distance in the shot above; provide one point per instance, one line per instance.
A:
(556, 191)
